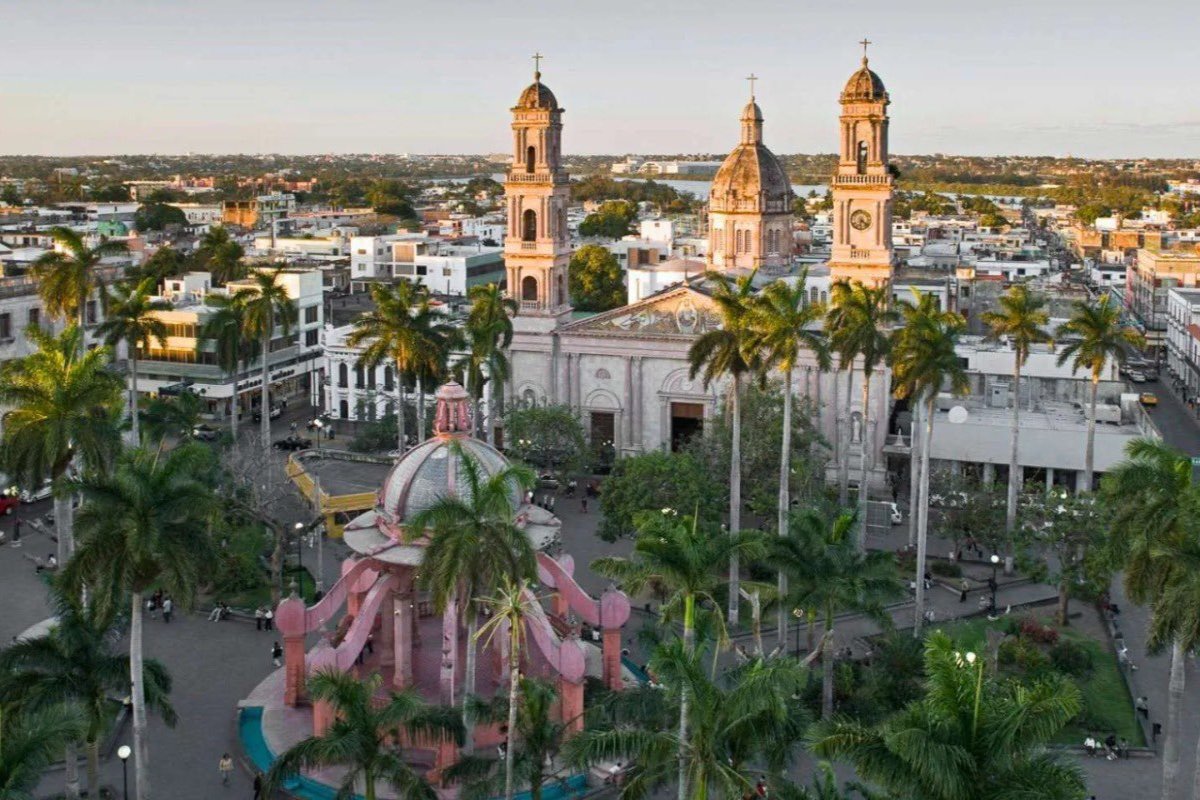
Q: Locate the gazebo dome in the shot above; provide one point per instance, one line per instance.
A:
(430, 470)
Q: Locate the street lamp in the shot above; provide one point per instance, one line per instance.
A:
(300, 554)
(123, 753)
(992, 583)
(798, 613)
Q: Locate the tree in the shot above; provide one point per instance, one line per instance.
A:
(30, 741)
(1062, 535)
(220, 255)
(858, 329)
(680, 561)
(266, 307)
(1021, 323)
(597, 282)
(364, 736)
(74, 666)
(1153, 502)
(165, 262)
(68, 275)
(550, 438)
(399, 329)
(131, 319)
(475, 547)
(652, 481)
(736, 725)
(612, 220)
(144, 523)
(1093, 336)
(392, 198)
(157, 216)
(489, 331)
(967, 510)
(539, 737)
(923, 361)
(780, 325)
(173, 416)
(722, 353)
(64, 402)
(226, 327)
(971, 737)
(829, 573)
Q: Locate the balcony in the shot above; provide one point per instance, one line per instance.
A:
(541, 176)
(858, 252)
(862, 180)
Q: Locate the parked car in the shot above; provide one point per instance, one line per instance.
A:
(1136, 376)
(205, 433)
(1149, 399)
(293, 442)
(897, 516)
(275, 412)
(43, 492)
(9, 502)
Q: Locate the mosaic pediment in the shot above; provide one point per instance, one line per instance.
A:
(686, 313)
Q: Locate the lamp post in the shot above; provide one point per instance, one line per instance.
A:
(300, 554)
(992, 583)
(798, 613)
(123, 753)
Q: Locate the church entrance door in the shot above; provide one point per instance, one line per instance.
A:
(687, 420)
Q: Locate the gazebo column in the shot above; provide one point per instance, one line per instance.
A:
(571, 705)
(387, 628)
(612, 659)
(291, 617)
(402, 626)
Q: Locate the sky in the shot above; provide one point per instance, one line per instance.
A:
(1091, 78)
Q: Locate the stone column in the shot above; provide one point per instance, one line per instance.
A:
(1049, 478)
(571, 705)
(629, 401)
(449, 652)
(989, 473)
(402, 638)
(638, 410)
(611, 654)
(294, 670)
(387, 628)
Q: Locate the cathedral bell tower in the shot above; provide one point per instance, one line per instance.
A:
(862, 185)
(537, 249)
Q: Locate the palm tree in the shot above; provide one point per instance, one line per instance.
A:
(30, 741)
(476, 547)
(748, 719)
(830, 573)
(1020, 321)
(724, 353)
(679, 561)
(510, 607)
(364, 737)
(172, 416)
(860, 330)
(490, 328)
(143, 523)
(68, 275)
(397, 330)
(64, 402)
(226, 328)
(971, 737)
(779, 323)
(1094, 335)
(265, 308)
(1154, 503)
(923, 361)
(131, 319)
(221, 255)
(538, 738)
(835, 321)
(74, 665)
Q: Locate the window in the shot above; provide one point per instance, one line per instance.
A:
(529, 226)
(5, 326)
(389, 381)
(35, 317)
(371, 378)
(530, 158)
(343, 376)
(358, 376)
(310, 315)
(344, 409)
(447, 272)
(89, 313)
(862, 158)
(310, 338)
(529, 288)
(738, 242)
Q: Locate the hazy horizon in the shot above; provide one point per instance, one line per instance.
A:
(1096, 79)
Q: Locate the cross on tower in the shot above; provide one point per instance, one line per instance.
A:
(752, 78)
(864, 44)
(537, 65)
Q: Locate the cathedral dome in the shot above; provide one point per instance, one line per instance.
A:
(751, 178)
(431, 470)
(538, 95)
(864, 85)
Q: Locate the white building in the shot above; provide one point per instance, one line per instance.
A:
(445, 268)
(201, 213)
(1183, 338)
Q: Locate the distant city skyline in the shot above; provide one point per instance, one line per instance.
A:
(1097, 79)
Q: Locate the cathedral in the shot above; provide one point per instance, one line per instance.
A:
(625, 371)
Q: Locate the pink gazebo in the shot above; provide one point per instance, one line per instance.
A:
(390, 629)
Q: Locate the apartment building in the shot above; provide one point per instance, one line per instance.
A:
(1150, 279)
(1183, 338)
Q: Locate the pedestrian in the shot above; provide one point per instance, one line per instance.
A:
(225, 765)
(293, 428)
(1143, 707)
(1089, 745)
(258, 786)
(760, 788)
(16, 540)
(269, 619)
(965, 587)
(583, 504)
(1155, 731)
(151, 607)
(258, 618)
(1123, 747)
(276, 654)
(168, 608)
(1110, 747)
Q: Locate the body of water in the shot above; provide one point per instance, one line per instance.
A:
(698, 188)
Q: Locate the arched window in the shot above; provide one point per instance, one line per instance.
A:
(862, 158)
(530, 158)
(529, 288)
(344, 409)
(529, 226)
(559, 295)
(814, 295)
(740, 239)
(358, 376)
(371, 378)
(529, 399)
(389, 379)
(343, 376)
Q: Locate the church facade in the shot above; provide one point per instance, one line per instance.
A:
(625, 371)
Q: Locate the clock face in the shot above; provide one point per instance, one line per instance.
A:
(860, 220)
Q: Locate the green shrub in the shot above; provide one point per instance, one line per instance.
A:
(1072, 658)
(946, 569)
(1023, 656)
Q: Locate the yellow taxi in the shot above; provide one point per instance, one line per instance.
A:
(1149, 399)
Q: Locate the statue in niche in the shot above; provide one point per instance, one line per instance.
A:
(856, 431)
